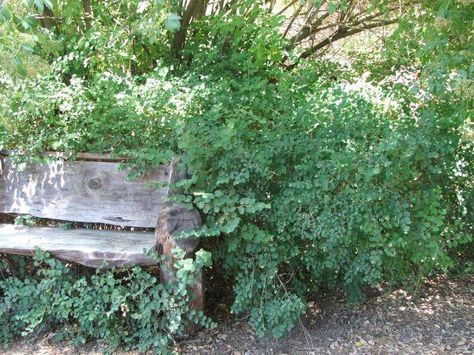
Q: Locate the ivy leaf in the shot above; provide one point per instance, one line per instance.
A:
(332, 7)
(231, 225)
(204, 257)
(5, 14)
(48, 4)
(26, 26)
(27, 48)
(323, 179)
(18, 66)
(172, 22)
(40, 6)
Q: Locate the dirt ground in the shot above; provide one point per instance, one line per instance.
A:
(439, 320)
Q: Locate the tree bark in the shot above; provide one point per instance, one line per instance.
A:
(195, 10)
(86, 5)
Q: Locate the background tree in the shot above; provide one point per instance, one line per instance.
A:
(145, 30)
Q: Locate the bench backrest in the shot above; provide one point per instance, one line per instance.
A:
(81, 191)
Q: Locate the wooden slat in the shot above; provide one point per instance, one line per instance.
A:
(81, 191)
(78, 156)
(94, 248)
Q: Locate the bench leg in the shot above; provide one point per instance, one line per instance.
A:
(172, 220)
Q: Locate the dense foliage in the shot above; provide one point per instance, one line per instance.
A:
(319, 176)
(129, 308)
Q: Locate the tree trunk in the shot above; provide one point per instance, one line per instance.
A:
(86, 4)
(194, 11)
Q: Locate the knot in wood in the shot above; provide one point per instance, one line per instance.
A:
(94, 184)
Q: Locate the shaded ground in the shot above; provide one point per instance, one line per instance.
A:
(440, 320)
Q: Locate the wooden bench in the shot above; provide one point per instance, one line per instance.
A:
(92, 189)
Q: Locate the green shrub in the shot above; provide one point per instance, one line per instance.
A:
(127, 308)
(307, 178)
(309, 183)
(329, 188)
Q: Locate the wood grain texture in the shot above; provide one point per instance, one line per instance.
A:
(94, 248)
(78, 156)
(172, 220)
(81, 191)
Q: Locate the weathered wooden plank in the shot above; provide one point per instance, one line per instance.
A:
(94, 248)
(172, 220)
(79, 156)
(81, 191)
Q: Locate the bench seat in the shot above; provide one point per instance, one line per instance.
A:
(96, 190)
(89, 247)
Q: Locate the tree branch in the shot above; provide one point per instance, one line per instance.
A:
(286, 7)
(86, 5)
(346, 18)
(338, 35)
(308, 30)
(352, 22)
(293, 18)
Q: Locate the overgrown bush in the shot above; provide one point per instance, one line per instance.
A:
(310, 183)
(309, 176)
(128, 308)
(327, 188)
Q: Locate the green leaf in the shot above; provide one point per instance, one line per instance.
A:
(172, 22)
(27, 48)
(333, 6)
(48, 4)
(39, 4)
(5, 14)
(204, 257)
